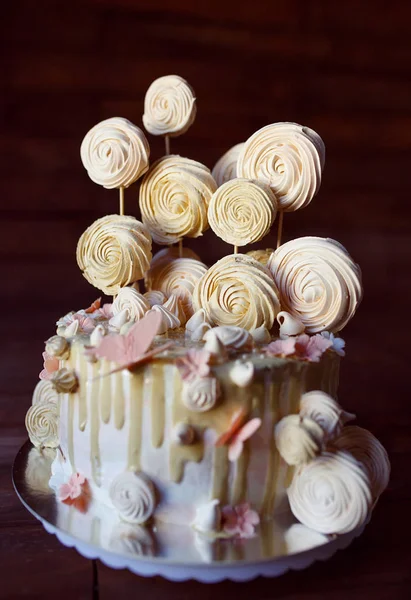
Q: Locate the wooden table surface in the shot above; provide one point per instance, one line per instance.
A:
(341, 68)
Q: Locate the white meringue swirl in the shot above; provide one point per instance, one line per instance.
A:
(42, 424)
(135, 303)
(132, 495)
(242, 211)
(232, 337)
(115, 153)
(298, 439)
(289, 158)
(155, 297)
(179, 277)
(261, 255)
(58, 346)
(113, 252)
(331, 494)
(370, 453)
(168, 319)
(325, 411)
(318, 282)
(174, 198)
(44, 393)
(225, 168)
(201, 394)
(169, 106)
(238, 291)
(164, 257)
(174, 305)
(64, 381)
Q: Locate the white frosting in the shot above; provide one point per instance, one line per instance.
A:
(155, 297)
(179, 277)
(331, 494)
(135, 304)
(132, 495)
(184, 434)
(198, 334)
(289, 325)
(173, 304)
(97, 335)
(242, 373)
(115, 153)
(42, 424)
(64, 381)
(44, 393)
(261, 335)
(289, 158)
(116, 323)
(238, 291)
(174, 198)
(113, 252)
(208, 517)
(232, 337)
(197, 319)
(298, 439)
(169, 106)
(318, 282)
(215, 346)
(370, 453)
(201, 394)
(325, 411)
(168, 319)
(71, 330)
(58, 346)
(242, 211)
(225, 168)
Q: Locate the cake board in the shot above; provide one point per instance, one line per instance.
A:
(295, 547)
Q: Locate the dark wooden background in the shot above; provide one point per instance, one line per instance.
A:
(342, 68)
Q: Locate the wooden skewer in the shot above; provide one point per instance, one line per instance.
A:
(167, 141)
(121, 200)
(280, 228)
(235, 249)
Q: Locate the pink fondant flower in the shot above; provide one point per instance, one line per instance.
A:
(104, 312)
(240, 520)
(194, 364)
(237, 434)
(50, 365)
(311, 348)
(281, 347)
(73, 488)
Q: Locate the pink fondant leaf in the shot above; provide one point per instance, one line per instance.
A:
(248, 429)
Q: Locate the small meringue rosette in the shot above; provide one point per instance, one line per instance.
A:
(64, 381)
(232, 337)
(58, 347)
(115, 153)
(289, 158)
(42, 424)
(201, 394)
(242, 211)
(238, 291)
(331, 494)
(44, 393)
(179, 277)
(325, 411)
(115, 251)
(169, 106)
(298, 439)
(225, 168)
(133, 496)
(155, 297)
(369, 451)
(168, 319)
(174, 199)
(318, 282)
(130, 299)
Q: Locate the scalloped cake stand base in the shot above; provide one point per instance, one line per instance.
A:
(175, 553)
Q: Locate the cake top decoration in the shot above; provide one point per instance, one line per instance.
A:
(169, 106)
(225, 168)
(115, 153)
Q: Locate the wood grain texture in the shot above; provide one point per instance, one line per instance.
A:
(340, 68)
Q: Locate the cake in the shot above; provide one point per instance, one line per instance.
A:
(201, 396)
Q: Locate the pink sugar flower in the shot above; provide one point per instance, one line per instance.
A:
(86, 324)
(194, 364)
(281, 347)
(104, 312)
(93, 307)
(240, 520)
(73, 488)
(50, 365)
(311, 348)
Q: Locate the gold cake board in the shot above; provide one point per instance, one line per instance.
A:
(177, 553)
